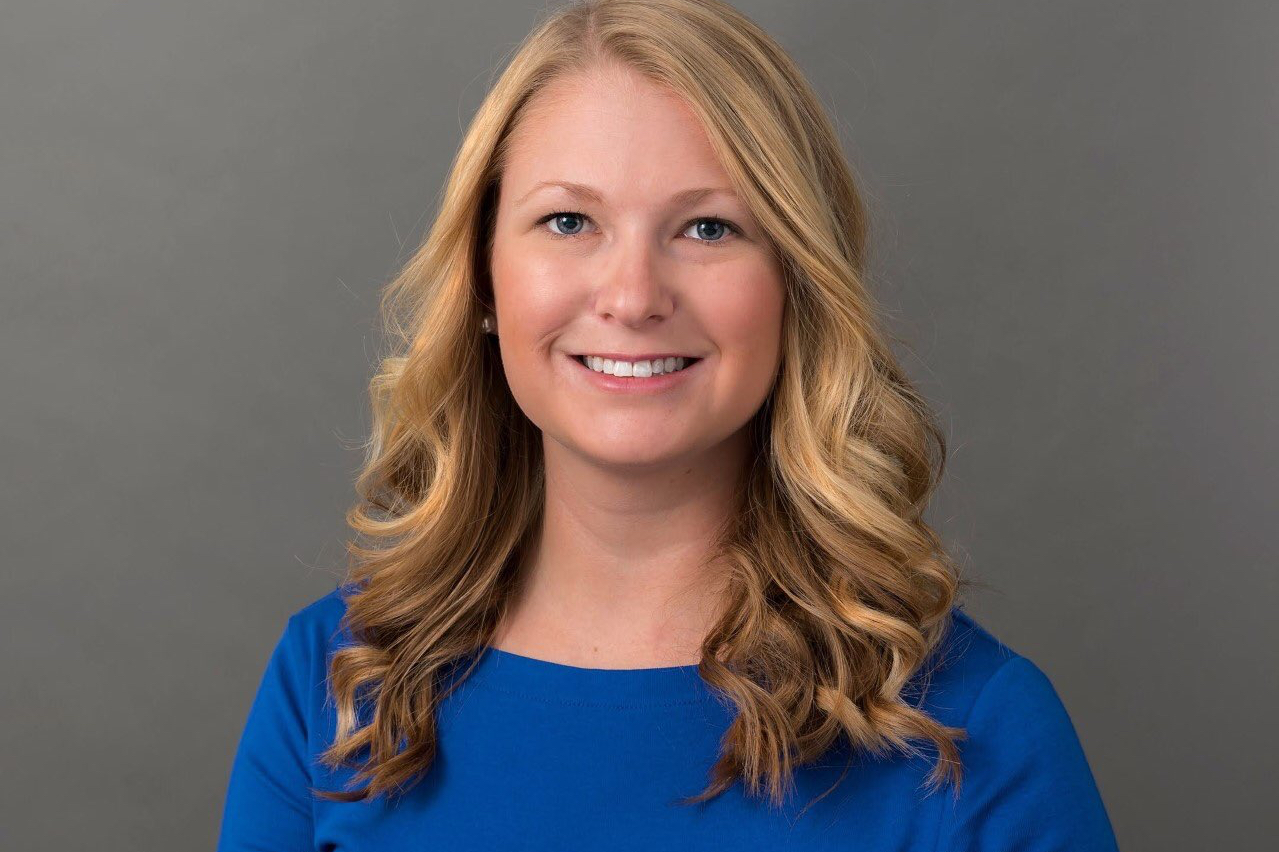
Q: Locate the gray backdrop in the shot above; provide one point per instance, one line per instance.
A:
(1076, 210)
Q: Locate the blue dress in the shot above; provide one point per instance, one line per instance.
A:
(536, 755)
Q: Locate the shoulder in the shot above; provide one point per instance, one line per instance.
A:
(267, 800)
(970, 666)
(1027, 781)
(315, 630)
(295, 685)
(323, 613)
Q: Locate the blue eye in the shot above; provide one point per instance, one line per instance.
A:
(563, 214)
(711, 229)
(718, 226)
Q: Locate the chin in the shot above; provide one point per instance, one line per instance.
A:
(628, 452)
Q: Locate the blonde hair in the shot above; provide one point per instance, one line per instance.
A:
(837, 590)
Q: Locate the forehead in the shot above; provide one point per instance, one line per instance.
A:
(614, 129)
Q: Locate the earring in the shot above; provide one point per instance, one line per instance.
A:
(489, 324)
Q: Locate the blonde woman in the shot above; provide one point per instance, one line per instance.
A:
(640, 560)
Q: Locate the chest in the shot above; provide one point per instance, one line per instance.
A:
(520, 772)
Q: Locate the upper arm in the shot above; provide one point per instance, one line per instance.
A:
(268, 800)
(1026, 783)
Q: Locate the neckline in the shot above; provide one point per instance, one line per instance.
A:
(529, 676)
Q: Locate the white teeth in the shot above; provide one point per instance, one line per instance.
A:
(638, 369)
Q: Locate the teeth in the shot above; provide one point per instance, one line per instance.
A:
(638, 369)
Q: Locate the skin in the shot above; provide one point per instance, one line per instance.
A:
(635, 485)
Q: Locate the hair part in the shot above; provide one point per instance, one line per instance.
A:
(837, 591)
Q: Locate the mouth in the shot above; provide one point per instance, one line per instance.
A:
(639, 368)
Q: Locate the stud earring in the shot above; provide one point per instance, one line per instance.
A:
(489, 324)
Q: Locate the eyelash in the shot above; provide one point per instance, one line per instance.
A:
(713, 243)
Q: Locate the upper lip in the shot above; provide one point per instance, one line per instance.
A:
(643, 356)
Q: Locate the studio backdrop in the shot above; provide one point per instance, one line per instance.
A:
(1074, 206)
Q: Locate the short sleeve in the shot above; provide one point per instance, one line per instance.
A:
(268, 800)
(1027, 785)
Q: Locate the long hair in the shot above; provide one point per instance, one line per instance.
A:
(837, 590)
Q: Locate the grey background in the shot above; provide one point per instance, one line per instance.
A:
(1076, 210)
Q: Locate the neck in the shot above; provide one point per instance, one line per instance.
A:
(620, 575)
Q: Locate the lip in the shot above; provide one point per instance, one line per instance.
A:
(622, 356)
(630, 384)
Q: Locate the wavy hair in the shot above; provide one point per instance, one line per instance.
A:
(837, 591)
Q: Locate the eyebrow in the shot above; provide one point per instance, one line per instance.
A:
(582, 191)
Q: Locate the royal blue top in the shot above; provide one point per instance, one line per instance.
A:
(537, 755)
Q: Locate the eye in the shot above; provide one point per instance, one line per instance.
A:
(711, 230)
(559, 216)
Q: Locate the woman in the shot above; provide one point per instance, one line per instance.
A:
(643, 562)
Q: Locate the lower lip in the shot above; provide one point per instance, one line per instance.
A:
(632, 385)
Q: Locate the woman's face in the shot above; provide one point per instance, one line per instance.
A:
(632, 263)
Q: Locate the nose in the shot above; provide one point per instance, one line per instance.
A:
(634, 287)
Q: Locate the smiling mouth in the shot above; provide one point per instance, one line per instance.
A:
(647, 369)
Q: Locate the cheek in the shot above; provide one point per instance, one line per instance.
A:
(743, 315)
(532, 293)
(745, 323)
(534, 297)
